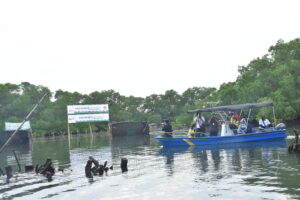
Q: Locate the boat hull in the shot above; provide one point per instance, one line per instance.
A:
(216, 140)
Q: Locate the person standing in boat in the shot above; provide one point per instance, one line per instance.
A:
(199, 124)
(264, 122)
(167, 128)
(213, 125)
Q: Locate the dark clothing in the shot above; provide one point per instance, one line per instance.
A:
(167, 128)
(213, 131)
(249, 128)
(213, 126)
(233, 126)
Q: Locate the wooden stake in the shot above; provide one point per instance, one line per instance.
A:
(90, 128)
(17, 160)
(8, 170)
(69, 136)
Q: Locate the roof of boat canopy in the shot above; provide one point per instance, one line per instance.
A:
(232, 107)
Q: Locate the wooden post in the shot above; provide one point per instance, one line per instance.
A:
(17, 160)
(91, 135)
(274, 117)
(69, 136)
(90, 128)
(124, 162)
(296, 136)
(8, 170)
(1, 172)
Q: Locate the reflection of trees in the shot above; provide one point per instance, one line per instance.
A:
(128, 145)
(57, 150)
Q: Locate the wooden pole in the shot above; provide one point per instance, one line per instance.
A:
(17, 160)
(296, 136)
(274, 116)
(8, 170)
(90, 128)
(20, 126)
(69, 136)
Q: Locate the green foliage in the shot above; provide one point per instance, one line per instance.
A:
(273, 77)
(154, 118)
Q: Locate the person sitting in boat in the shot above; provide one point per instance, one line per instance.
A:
(213, 125)
(264, 122)
(245, 125)
(167, 128)
(199, 126)
(234, 123)
(243, 128)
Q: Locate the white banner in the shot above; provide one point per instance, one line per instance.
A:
(10, 126)
(100, 117)
(85, 109)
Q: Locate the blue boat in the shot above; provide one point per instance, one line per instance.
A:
(227, 136)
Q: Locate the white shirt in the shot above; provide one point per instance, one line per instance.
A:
(199, 121)
(264, 123)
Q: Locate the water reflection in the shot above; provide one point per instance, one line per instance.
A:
(216, 158)
(256, 170)
(43, 149)
(130, 141)
(23, 153)
(235, 157)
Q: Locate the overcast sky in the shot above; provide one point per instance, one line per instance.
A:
(138, 47)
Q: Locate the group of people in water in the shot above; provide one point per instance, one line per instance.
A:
(238, 125)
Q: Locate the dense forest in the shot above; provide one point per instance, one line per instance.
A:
(273, 77)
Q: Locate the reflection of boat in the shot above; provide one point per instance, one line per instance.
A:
(277, 143)
(227, 135)
(129, 128)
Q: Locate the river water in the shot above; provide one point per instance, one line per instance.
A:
(242, 171)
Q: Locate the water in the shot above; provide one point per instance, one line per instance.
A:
(242, 171)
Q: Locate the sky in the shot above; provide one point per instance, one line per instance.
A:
(138, 47)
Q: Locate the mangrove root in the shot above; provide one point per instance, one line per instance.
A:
(46, 169)
(97, 169)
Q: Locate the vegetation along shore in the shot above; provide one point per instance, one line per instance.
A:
(273, 77)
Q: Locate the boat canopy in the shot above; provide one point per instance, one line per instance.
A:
(232, 107)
